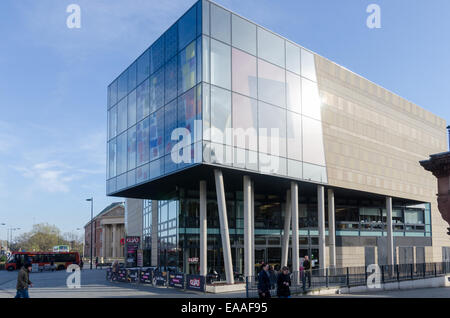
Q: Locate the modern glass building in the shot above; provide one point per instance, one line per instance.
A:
(239, 140)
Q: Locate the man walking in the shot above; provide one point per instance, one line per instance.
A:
(23, 282)
(307, 272)
(264, 282)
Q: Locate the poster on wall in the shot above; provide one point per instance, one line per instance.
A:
(147, 276)
(140, 258)
(195, 282)
(132, 245)
(176, 280)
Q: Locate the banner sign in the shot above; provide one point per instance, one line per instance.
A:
(176, 280)
(109, 274)
(132, 275)
(140, 258)
(147, 276)
(195, 282)
(122, 275)
(159, 279)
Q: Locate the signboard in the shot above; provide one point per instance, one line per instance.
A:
(140, 258)
(109, 274)
(176, 280)
(193, 260)
(146, 276)
(122, 275)
(132, 245)
(159, 279)
(195, 282)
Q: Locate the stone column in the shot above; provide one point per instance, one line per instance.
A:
(224, 233)
(103, 242)
(295, 251)
(247, 226)
(154, 250)
(331, 228)
(390, 237)
(321, 220)
(287, 229)
(114, 238)
(203, 230)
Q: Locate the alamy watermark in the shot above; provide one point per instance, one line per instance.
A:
(74, 19)
(74, 279)
(374, 19)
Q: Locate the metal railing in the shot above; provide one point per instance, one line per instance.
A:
(308, 280)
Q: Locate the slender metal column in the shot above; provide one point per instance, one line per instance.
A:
(294, 208)
(287, 229)
(331, 228)
(247, 222)
(321, 220)
(252, 235)
(203, 230)
(155, 248)
(221, 203)
(390, 238)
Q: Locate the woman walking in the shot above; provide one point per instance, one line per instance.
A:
(284, 283)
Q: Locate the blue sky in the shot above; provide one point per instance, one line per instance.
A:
(53, 81)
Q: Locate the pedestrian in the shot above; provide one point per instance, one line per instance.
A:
(273, 277)
(115, 270)
(307, 272)
(284, 283)
(81, 264)
(96, 262)
(23, 281)
(264, 282)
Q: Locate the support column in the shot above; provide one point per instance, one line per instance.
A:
(103, 242)
(287, 228)
(321, 220)
(331, 229)
(247, 191)
(154, 250)
(114, 237)
(224, 233)
(203, 230)
(252, 234)
(294, 208)
(390, 238)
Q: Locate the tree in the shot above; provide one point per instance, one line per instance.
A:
(43, 237)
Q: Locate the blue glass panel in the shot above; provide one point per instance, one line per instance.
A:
(142, 100)
(122, 115)
(131, 109)
(157, 134)
(156, 168)
(199, 18)
(157, 90)
(143, 136)
(132, 77)
(122, 85)
(199, 60)
(157, 55)
(143, 67)
(113, 95)
(112, 158)
(187, 111)
(142, 173)
(187, 70)
(171, 40)
(131, 148)
(187, 28)
(170, 123)
(169, 165)
(171, 80)
(122, 153)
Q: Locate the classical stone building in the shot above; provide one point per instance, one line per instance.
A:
(109, 229)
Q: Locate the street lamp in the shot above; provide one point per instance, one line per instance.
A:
(92, 212)
(11, 229)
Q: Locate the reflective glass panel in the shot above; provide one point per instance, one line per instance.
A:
(308, 65)
(244, 34)
(122, 153)
(187, 27)
(143, 66)
(272, 129)
(314, 172)
(131, 118)
(157, 134)
(171, 40)
(112, 114)
(112, 158)
(271, 84)
(157, 90)
(113, 92)
(122, 115)
(205, 17)
(122, 85)
(270, 47)
(170, 123)
(220, 114)
(142, 173)
(132, 77)
(156, 168)
(313, 141)
(187, 111)
(245, 122)
(171, 80)
(157, 55)
(220, 64)
(244, 73)
(310, 99)
(142, 100)
(187, 70)
(131, 148)
(293, 92)
(220, 24)
(143, 136)
(294, 136)
(292, 58)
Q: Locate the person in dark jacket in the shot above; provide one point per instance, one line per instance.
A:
(264, 282)
(284, 283)
(307, 272)
(23, 282)
(272, 277)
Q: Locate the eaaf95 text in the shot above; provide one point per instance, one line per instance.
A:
(246, 307)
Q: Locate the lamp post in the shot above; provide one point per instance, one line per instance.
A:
(4, 224)
(92, 212)
(11, 230)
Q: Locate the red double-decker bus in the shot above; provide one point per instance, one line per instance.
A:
(60, 260)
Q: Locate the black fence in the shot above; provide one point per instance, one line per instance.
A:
(153, 277)
(308, 280)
